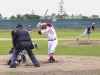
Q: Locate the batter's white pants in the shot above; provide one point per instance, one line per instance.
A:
(52, 46)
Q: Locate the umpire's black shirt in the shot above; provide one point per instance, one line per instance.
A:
(18, 35)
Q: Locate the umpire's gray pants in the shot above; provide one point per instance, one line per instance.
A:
(24, 46)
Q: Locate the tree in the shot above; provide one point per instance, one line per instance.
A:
(0, 16)
(12, 17)
(19, 16)
(72, 16)
(5, 18)
(53, 15)
(61, 8)
(95, 16)
(85, 17)
(26, 16)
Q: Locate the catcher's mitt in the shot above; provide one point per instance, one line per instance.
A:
(36, 46)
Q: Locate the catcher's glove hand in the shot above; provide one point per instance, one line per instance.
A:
(36, 46)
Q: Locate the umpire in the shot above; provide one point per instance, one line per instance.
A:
(21, 40)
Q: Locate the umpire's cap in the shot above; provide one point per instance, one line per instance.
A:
(19, 25)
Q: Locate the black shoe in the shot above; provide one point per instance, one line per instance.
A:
(77, 39)
(37, 65)
(49, 61)
(53, 59)
(12, 66)
(9, 62)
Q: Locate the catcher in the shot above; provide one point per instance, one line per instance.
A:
(21, 56)
(87, 31)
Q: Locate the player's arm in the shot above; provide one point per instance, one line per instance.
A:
(49, 25)
(39, 32)
(14, 37)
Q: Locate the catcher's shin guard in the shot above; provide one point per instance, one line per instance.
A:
(23, 59)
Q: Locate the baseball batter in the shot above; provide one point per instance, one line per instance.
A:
(49, 31)
(87, 31)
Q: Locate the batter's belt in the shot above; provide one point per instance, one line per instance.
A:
(52, 39)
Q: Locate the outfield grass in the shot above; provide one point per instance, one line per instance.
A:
(61, 33)
(87, 50)
(84, 50)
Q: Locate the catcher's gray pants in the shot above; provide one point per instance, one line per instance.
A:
(24, 46)
(85, 32)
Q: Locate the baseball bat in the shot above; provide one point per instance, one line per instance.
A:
(44, 15)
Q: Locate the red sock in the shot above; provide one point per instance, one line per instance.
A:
(51, 55)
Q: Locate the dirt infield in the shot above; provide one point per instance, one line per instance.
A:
(81, 43)
(64, 65)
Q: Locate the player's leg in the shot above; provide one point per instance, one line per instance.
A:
(9, 60)
(30, 53)
(88, 39)
(85, 32)
(19, 59)
(14, 58)
(51, 48)
(23, 57)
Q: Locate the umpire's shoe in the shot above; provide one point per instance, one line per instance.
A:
(12, 66)
(37, 65)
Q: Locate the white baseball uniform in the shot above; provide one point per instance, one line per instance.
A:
(52, 38)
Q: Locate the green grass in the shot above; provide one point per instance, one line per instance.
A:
(82, 50)
(61, 33)
(87, 50)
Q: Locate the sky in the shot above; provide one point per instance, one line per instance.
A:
(14, 7)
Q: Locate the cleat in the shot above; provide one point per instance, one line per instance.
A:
(53, 59)
(77, 39)
(49, 61)
(37, 65)
(12, 66)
